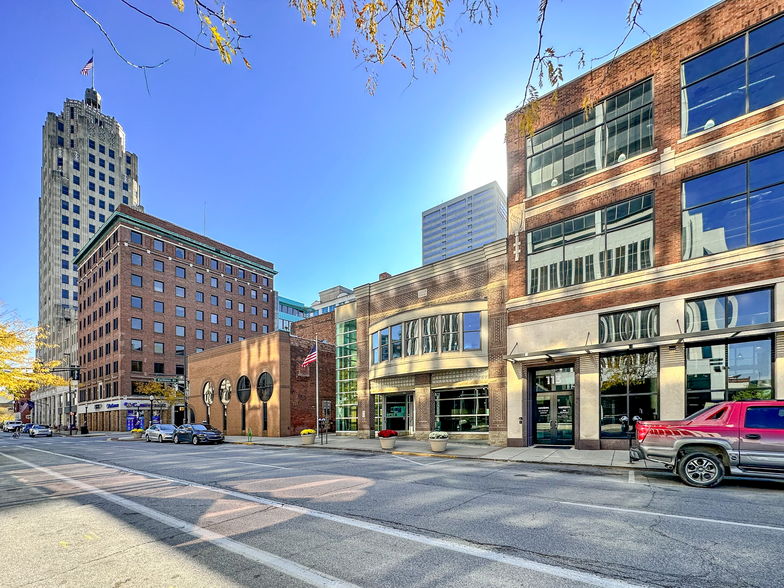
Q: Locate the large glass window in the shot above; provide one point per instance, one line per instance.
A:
(741, 370)
(629, 325)
(412, 337)
(472, 334)
(450, 330)
(629, 387)
(463, 411)
(611, 132)
(396, 339)
(346, 393)
(430, 334)
(731, 310)
(733, 208)
(741, 75)
(603, 243)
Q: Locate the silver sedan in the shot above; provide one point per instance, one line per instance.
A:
(40, 431)
(159, 433)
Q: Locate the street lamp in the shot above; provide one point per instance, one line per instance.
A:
(152, 399)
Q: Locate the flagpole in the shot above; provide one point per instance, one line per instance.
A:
(317, 390)
(92, 57)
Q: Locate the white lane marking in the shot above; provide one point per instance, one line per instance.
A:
(631, 476)
(406, 459)
(285, 566)
(262, 465)
(446, 544)
(672, 516)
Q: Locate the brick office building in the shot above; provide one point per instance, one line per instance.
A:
(260, 384)
(423, 350)
(645, 257)
(150, 293)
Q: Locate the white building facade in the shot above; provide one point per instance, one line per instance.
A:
(86, 172)
(464, 223)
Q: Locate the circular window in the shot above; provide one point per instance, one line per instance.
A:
(264, 387)
(225, 392)
(208, 393)
(243, 389)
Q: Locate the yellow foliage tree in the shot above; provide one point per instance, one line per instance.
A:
(20, 371)
(160, 391)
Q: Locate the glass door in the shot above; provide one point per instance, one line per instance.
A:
(553, 419)
(396, 413)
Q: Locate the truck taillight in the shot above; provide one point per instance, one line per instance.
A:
(642, 431)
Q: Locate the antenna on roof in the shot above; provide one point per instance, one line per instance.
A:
(205, 218)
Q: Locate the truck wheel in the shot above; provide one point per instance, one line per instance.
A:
(701, 469)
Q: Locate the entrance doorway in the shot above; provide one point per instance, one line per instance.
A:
(398, 412)
(553, 418)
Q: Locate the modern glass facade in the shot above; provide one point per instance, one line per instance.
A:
(346, 373)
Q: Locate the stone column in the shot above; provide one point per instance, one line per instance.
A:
(516, 386)
(672, 382)
(779, 367)
(587, 402)
(423, 399)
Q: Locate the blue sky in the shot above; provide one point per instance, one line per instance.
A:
(296, 163)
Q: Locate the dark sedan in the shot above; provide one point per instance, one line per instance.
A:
(197, 434)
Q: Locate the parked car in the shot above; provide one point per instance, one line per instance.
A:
(197, 434)
(159, 433)
(743, 438)
(11, 426)
(40, 431)
(26, 428)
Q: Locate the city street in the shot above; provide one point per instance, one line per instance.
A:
(91, 512)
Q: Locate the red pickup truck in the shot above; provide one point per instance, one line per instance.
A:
(730, 438)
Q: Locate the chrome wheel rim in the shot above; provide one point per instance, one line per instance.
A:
(701, 469)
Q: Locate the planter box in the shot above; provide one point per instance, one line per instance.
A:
(137, 435)
(438, 445)
(387, 442)
(308, 439)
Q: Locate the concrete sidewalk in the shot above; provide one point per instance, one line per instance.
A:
(462, 449)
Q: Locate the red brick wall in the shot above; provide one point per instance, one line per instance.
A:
(303, 383)
(322, 325)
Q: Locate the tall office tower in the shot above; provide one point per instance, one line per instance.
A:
(85, 173)
(464, 223)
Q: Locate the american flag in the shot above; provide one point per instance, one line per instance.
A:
(87, 67)
(310, 358)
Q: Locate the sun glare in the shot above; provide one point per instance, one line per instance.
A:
(488, 160)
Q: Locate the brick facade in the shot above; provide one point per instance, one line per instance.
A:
(322, 325)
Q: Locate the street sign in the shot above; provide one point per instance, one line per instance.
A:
(174, 380)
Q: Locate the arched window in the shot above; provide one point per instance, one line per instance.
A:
(243, 389)
(225, 392)
(264, 387)
(208, 394)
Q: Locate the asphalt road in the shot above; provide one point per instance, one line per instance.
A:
(90, 512)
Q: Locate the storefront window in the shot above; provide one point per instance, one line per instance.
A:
(629, 386)
(629, 325)
(463, 411)
(732, 310)
(741, 370)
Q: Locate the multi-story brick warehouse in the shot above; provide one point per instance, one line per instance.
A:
(645, 257)
(150, 293)
(423, 350)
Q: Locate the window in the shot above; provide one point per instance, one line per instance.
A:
(241, 274)
(136, 302)
(136, 344)
(253, 294)
(157, 244)
(214, 282)
(101, 149)
(179, 330)
(264, 313)
(214, 337)
(254, 327)
(264, 282)
(241, 306)
(253, 310)
(158, 368)
(214, 319)
(214, 300)
(463, 411)
(179, 350)
(229, 269)
(629, 325)
(228, 321)
(136, 366)
(157, 265)
(430, 334)
(199, 296)
(253, 278)
(603, 243)
(241, 290)
(199, 259)
(157, 286)
(199, 278)
(111, 155)
(241, 324)
(228, 338)
(179, 311)
(472, 336)
(199, 315)
(740, 370)
(264, 329)
(179, 252)
(136, 324)
(214, 264)
(739, 76)
(179, 272)
(200, 334)
(265, 297)
(228, 304)
(629, 387)
(450, 328)
(179, 292)
(733, 310)
(91, 228)
(764, 417)
(91, 214)
(736, 207)
(616, 129)
(228, 287)
(158, 348)
(158, 327)
(136, 237)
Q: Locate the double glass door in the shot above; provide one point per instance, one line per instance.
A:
(554, 409)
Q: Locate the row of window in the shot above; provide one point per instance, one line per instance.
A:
(444, 333)
(137, 324)
(157, 367)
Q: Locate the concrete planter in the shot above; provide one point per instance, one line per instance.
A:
(137, 435)
(438, 445)
(308, 439)
(387, 442)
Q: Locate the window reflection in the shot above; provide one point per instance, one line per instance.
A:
(629, 387)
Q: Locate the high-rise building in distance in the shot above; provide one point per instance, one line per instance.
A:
(464, 223)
